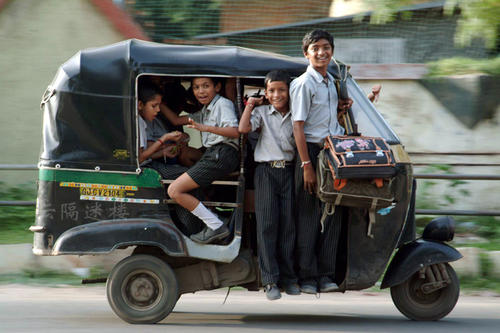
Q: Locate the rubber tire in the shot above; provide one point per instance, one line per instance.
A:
(422, 307)
(151, 267)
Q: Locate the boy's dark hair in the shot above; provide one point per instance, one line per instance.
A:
(277, 75)
(314, 36)
(214, 80)
(147, 91)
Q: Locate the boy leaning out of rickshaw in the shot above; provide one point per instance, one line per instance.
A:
(218, 125)
(315, 107)
(274, 186)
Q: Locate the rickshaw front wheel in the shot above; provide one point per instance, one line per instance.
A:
(412, 301)
(142, 289)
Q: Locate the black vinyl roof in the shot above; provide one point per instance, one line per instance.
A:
(109, 70)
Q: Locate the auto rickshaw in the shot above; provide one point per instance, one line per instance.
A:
(94, 197)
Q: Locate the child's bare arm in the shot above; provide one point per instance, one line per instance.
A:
(157, 145)
(230, 132)
(245, 126)
(172, 117)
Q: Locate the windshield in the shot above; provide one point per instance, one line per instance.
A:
(369, 120)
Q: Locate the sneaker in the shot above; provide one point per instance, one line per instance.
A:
(309, 287)
(272, 292)
(291, 289)
(326, 284)
(207, 235)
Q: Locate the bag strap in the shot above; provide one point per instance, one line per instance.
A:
(371, 215)
(350, 125)
(329, 210)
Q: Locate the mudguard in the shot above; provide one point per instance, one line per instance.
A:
(105, 236)
(413, 256)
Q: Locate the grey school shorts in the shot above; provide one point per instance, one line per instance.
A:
(215, 163)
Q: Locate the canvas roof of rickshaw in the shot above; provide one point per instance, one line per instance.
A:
(109, 70)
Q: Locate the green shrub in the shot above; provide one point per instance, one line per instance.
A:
(458, 66)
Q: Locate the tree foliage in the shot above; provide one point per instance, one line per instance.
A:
(478, 18)
(180, 19)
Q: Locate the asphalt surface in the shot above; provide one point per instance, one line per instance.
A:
(85, 309)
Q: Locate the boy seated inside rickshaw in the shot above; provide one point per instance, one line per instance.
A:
(175, 99)
(218, 125)
(148, 106)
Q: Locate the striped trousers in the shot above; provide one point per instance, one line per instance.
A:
(275, 223)
(316, 251)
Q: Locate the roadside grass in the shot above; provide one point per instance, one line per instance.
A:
(49, 277)
(15, 220)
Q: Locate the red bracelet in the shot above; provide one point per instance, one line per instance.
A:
(161, 142)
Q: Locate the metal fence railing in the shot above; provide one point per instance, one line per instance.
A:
(477, 177)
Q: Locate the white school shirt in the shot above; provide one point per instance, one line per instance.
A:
(219, 112)
(314, 100)
(143, 138)
(276, 142)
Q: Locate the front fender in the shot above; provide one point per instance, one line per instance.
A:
(105, 236)
(413, 256)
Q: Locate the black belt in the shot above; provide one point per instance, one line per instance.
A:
(232, 144)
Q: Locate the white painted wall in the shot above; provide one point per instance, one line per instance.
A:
(424, 124)
(36, 37)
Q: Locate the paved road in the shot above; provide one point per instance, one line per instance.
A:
(85, 309)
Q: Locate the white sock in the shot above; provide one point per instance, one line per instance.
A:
(209, 218)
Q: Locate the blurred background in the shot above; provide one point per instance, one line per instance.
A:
(437, 62)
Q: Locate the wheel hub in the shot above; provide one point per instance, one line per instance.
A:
(142, 290)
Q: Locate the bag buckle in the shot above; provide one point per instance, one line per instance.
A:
(349, 154)
(379, 153)
(278, 164)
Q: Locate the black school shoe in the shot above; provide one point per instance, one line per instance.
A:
(326, 284)
(272, 292)
(291, 288)
(207, 235)
(309, 287)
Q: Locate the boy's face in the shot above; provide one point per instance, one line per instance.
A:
(205, 90)
(319, 54)
(277, 94)
(150, 109)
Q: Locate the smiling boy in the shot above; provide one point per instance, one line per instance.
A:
(314, 104)
(274, 154)
(218, 125)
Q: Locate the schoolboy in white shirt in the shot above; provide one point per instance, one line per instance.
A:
(274, 154)
(314, 104)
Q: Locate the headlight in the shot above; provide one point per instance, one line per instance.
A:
(440, 229)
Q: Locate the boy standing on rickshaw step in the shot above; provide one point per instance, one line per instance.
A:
(314, 104)
(274, 187)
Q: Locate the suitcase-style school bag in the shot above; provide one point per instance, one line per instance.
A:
(359, 157)
(353, 170)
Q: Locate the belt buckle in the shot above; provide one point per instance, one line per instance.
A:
(278, 164)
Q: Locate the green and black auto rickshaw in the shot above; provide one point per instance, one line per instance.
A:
(94, 197)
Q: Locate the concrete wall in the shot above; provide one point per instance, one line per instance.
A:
(36, 37)
(424, 124)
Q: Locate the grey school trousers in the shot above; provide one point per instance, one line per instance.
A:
(275, 223)
(316, 251)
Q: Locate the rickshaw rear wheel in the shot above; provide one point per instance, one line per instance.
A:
(142, 289)
(417, 305)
